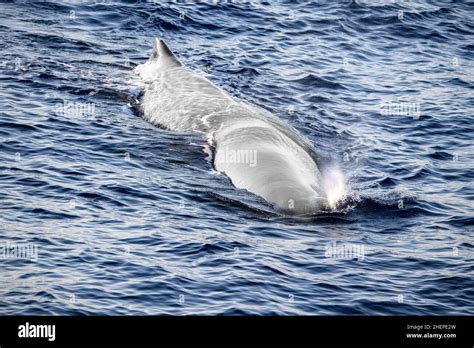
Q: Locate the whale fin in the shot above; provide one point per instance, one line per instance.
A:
(162, 52)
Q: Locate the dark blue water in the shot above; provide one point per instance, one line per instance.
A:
(128, 218)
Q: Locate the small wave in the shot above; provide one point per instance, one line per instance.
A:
(311, 80)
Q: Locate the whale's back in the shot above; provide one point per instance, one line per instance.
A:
(180, 100)
(252, 148)
(260, 158)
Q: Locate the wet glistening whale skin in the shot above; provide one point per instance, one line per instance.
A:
(252, 147)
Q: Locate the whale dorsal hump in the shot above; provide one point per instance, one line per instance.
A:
(161, 52)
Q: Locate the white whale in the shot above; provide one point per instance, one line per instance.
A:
(255, 150)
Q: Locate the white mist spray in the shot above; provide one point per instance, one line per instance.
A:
(334, 185)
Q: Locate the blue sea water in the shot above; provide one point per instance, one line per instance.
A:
(121, 217)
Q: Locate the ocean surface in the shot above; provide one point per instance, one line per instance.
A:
(102, 213)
